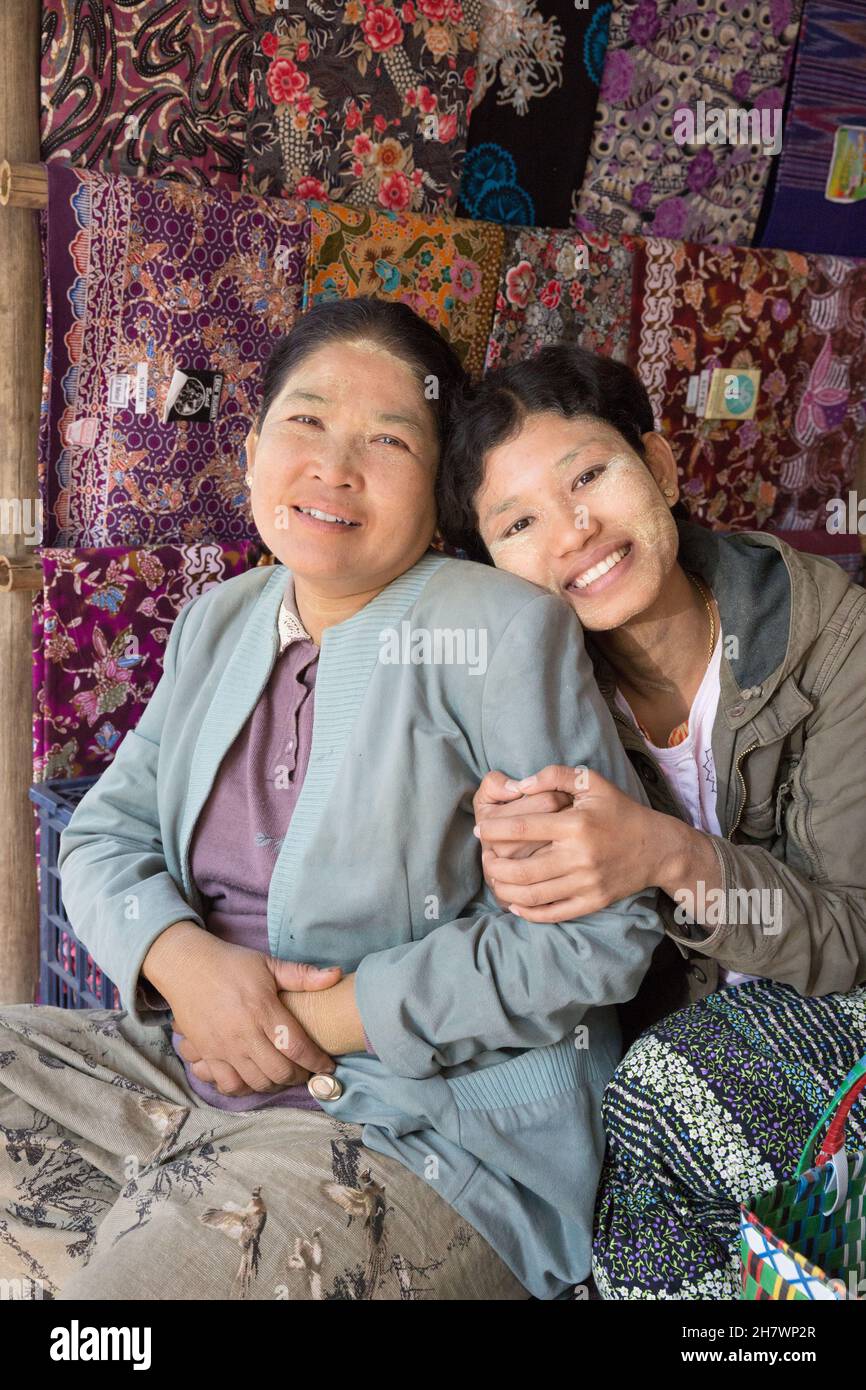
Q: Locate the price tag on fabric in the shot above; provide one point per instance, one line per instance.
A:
(193, 395)
(119, 388)
(846, 180)
(733, 394)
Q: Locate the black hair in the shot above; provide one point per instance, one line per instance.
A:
(560, 377)
(392, 325)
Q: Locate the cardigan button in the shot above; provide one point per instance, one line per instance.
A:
(324, 1087)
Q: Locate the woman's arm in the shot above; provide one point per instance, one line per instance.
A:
(489, 979)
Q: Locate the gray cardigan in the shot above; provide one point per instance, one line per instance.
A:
(481, 1083)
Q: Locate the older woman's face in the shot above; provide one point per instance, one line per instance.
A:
(569, 505)
(344, 468)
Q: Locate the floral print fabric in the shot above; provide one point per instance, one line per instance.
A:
(446, 269)
(797, 321)
(100, 627)
(669, 54)
(559, 286)
(539, 66)
(363, 102)
(146, 277)
(143, 89)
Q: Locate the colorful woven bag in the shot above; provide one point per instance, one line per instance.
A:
(806, 1239)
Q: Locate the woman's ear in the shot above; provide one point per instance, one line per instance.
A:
(250, 444)
(661, 463)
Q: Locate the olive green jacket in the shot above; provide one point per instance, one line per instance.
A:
(789, 743)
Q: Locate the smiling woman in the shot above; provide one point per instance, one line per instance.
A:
(279, 871)
(734, 668)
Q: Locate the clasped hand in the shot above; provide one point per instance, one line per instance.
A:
(563, 843)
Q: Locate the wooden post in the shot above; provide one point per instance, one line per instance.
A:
(21, 352)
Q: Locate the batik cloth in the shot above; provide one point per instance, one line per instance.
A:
(828, 90)
(445, 268)
(531, 112)
(794, 319)
(560, 286)
(148, 90)
(150, 277)
(709, 1108)
(363, 103)
(100, 627)
(828, 392)
(666, 55)
(118, 1183)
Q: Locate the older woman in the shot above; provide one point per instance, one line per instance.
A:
(735, 669)
(342, 1071)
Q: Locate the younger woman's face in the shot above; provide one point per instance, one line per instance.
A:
(343, 470)
(569, 505)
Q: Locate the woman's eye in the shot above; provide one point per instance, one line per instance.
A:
(304, 418)
(393, 439)
(588, 473)
(518, 526)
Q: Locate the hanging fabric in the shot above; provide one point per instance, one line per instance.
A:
(143, 89)
(100, 626)
(166, 301)
(364, 104)
(444, 268)
(818, 202)
(532, 109)
(709, 62)
(755, 364)
(561, 286)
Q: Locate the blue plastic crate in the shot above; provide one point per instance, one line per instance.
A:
(68, 975)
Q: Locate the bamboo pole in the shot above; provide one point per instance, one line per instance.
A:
(21, 351)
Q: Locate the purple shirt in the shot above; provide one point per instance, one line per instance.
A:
(238, 835)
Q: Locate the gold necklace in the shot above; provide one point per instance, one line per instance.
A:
(703, 593)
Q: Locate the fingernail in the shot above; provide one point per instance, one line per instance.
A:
(527, 783)
(512, 786)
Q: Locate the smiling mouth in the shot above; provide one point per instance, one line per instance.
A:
(603, 567)
(318, 515)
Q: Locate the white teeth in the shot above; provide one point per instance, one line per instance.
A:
(324, 516)
(589, 576)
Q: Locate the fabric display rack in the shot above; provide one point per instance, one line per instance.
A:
(199, 174)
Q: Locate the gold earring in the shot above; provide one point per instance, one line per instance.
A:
(249, 480)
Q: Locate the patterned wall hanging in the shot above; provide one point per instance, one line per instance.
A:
(559, 285)
(138, 88)
(362, 103)
(100, 626)
(532, 108)
(664, 55)
(149, 277)
(785, 441)
(828, 92)
(444, 268)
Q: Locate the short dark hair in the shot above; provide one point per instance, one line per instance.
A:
(392, 325)
(561, 377)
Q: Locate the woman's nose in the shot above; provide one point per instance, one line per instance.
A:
(336, 464)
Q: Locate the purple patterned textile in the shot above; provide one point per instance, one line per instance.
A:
(148, 90)
(828, 90)
(100, 626)
(148, 277)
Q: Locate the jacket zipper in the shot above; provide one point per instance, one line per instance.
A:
(751, 748)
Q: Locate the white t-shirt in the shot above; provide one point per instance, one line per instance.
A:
(689, 768)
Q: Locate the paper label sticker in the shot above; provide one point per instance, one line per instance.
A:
(692, 393)
(733, 394)
(703, 391)
(193, 395)
(141, 389)
(82, 433)
(119, 388)
(846, 179)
